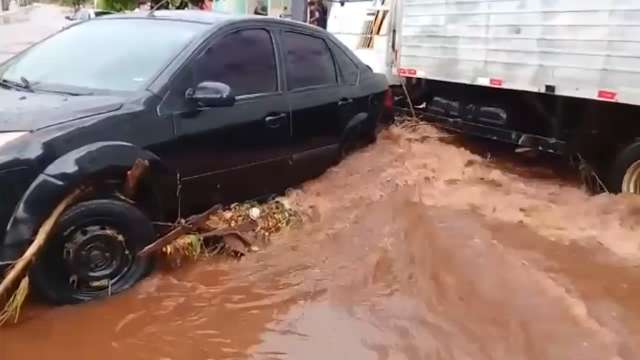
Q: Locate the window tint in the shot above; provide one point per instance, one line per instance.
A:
(244, 60)
(347, 69)
(308, 60)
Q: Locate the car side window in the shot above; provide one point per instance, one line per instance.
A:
(244, 60)
(347, 69)
(308, 61)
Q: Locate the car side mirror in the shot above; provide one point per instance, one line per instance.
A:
(211, 94)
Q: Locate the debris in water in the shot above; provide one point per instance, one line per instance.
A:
(190, 245)
(11, 310)
(232, 231)
(254, 213)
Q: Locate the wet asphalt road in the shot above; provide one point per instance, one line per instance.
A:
(22, 28)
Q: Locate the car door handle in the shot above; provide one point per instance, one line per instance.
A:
(274, 121)
(344, 101)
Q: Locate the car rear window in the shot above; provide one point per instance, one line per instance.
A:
(308, 61)
(347, 69)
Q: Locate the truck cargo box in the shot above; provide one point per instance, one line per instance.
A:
(580, 48)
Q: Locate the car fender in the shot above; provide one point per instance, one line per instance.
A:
(70, 170)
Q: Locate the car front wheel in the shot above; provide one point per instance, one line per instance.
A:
(92, 253)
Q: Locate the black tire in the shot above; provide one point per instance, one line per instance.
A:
(623, 160)
(371, 134)
(348, 144)
(357, 137)
(88, 236)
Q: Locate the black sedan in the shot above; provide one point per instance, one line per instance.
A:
(223, 108)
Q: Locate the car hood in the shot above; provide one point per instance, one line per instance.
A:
(30, 111)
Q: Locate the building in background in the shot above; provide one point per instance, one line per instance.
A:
(292, 9)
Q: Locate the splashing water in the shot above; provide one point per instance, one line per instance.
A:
(418, 247)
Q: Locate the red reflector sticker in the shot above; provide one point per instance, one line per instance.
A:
(412, 72)
(607, 95)
(495, 82)
(402, 71)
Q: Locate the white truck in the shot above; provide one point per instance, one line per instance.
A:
(561, 76)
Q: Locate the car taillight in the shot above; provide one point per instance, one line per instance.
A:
(388, 100)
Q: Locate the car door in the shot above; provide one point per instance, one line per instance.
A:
(237, 152)
(355, 104)
(314, 98)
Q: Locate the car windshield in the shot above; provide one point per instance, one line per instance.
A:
(111, 54)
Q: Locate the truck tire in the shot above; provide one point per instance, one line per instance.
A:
(92, 253)
(418, 90)
(624, 175)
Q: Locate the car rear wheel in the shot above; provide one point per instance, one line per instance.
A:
(348, 144)
(357, 137)
(92, 253)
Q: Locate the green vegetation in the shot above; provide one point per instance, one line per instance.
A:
(73, 3)
(118, 5)
(124, 5)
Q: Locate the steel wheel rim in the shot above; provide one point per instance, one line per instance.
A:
(631, 180)
(95, 282)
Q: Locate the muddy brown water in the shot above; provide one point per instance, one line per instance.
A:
(414, 248)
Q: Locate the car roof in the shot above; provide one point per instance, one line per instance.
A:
(205, 17)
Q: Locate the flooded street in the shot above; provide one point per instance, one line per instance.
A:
(418, 247)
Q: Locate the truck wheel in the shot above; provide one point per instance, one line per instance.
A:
(92, 253)
(624, 175)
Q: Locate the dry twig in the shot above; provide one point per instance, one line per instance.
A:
(18, 271)
(192, 224)
(134, 175)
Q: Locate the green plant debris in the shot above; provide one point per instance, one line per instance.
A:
(270, 218)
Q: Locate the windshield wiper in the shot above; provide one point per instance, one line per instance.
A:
(24, 84)
(65, 92)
